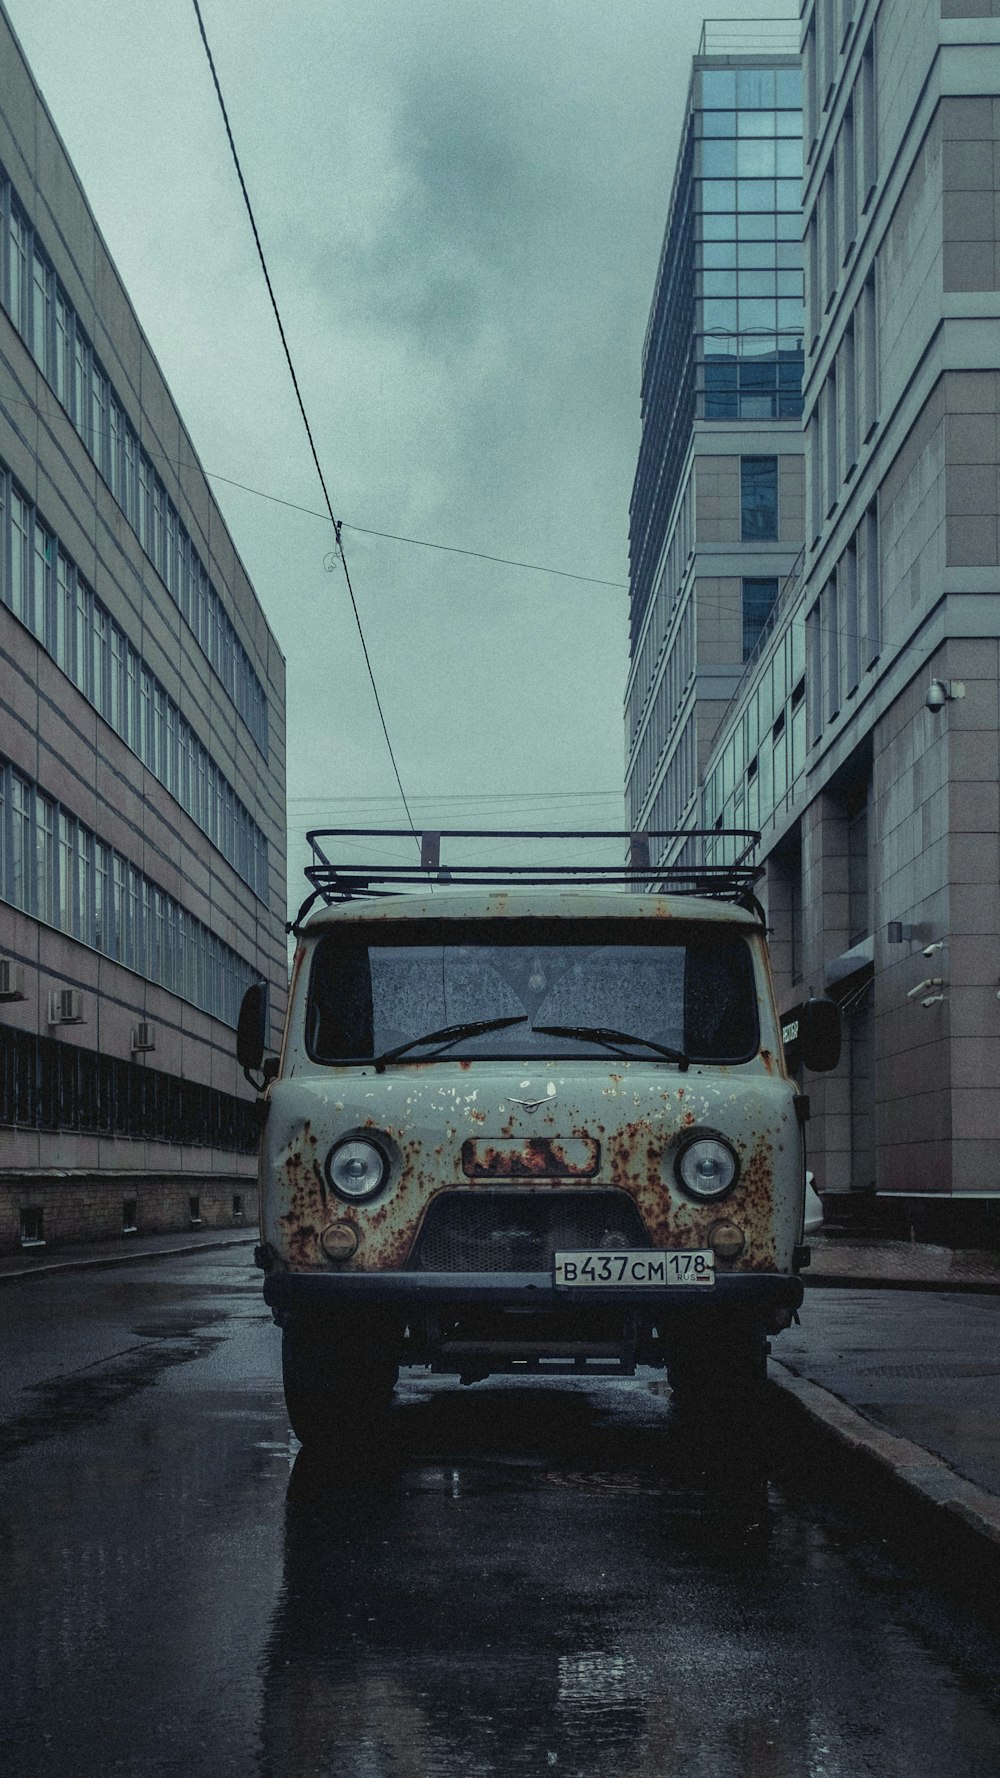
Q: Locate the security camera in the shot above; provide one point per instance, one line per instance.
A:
(937, 696)
(931, 949)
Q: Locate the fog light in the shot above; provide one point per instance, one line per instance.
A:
(726, 1240)
(339, 1240)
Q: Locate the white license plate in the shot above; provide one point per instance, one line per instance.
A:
(610, 1270)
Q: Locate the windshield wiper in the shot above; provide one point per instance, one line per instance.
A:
(601, 1034)
(449, 1034)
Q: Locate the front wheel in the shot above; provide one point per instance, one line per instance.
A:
(338, 1377)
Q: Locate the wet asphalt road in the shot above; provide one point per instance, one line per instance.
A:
(537, 1578)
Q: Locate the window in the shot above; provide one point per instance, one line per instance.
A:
(130, 1212)
(869, 168)
(830, 623)
(872, 608)
(759, 598)
(869, 353)
(17, 268)
(758, 498)
(41, 313)
(849, 615)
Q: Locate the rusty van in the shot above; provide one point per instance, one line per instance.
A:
(530, 1120)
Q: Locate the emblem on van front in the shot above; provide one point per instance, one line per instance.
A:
(532, 1104)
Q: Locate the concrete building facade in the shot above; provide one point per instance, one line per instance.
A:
(142, 800)
(717, 516)
(881, 821)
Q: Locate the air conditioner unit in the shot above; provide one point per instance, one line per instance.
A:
(143, 1038)
(11, 979)
(65, 1006)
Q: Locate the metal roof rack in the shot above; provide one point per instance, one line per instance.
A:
(337, 882)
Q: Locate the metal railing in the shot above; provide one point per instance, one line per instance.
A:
(739, 37)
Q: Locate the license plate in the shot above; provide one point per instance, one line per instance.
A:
(611, 1270)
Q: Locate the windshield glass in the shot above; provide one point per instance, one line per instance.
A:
(688, 988)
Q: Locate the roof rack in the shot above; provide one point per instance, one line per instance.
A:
(337, 882)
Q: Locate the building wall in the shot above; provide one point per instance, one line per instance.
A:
(885, 837)
(155, 747)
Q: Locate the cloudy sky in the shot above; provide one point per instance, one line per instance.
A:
(462, 203)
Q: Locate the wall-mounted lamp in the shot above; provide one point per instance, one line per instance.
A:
(942, 691)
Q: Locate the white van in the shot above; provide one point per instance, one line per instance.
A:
(533, 1128)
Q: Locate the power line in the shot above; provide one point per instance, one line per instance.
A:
(451, 549)
(313, 512)
(302, 408)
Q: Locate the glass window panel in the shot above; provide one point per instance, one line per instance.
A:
(789, 197)
(758, 284)
(759, 497)
(755, 123)
(757, 312)
(718, 228)
(755, 254)
(788, 87)
(721, 405)
(755, 194)
(790, 313)
(718, 194)
(788, 123)
(720, 375)
(758, 345)
(718, 123)
(788, 254)
(755, 159)
(788, 227)
(718, 160)
(719, 283)
(719, 313)
(718, 253)
(758, 373)
(755, 87)
(718, 86)
(788, 158)
(790, 370)
(754, 226)
(757, 407)
(791, 284)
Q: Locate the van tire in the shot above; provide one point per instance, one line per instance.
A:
(338, 1382)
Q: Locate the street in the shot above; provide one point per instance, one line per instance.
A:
(532, 1578)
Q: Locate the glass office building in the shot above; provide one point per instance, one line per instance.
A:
(725, 334)
(717, 515)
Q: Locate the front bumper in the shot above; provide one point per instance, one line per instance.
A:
(754, 1294)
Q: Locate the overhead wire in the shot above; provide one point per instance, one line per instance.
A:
(302, 410)
(451, 549)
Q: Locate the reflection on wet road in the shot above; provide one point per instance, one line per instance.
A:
(533, 1577)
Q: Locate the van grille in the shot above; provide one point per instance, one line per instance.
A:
(512, 1231)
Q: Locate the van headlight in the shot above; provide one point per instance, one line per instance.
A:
(356, 1169)
(706, 1168)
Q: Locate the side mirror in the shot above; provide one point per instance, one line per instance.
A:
(819, 1035)
(251, 1031)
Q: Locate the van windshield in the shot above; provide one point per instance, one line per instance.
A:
(690, 989)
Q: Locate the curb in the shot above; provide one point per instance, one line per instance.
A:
(845, 1281)
(926, 1502)
(133, 1257)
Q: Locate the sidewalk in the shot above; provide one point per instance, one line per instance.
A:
(892, 1384)
(85, 1256)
